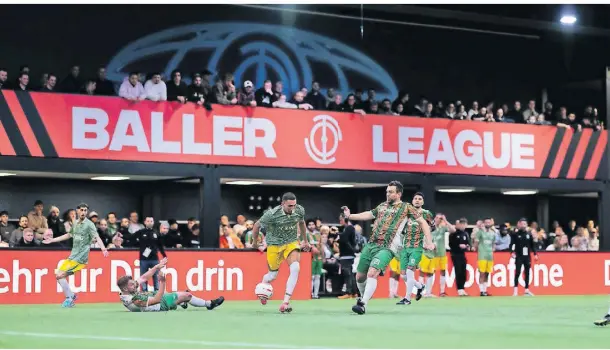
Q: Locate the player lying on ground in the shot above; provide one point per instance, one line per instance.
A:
(137, 301)
(604, 321)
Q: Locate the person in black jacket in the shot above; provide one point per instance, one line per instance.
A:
(150, 245)
(176, 88)
(522, 247)
(315, 97)
(170, 238)
(347, 254)
(459, 243)
(103, 86)
(264, 96)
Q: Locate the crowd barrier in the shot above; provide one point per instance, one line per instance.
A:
(26, 277)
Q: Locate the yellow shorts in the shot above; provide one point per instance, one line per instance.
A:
(278, 253)
(486, 266)
(395, 266)
(71, 266)
(440, 263)
(426, 265)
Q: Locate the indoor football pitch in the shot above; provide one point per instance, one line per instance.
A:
(471, 322)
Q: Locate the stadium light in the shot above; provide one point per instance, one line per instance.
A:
(337, 186)
(455, 190)
(110, 178)
(519, 192)
(568, 20)
(244, 183)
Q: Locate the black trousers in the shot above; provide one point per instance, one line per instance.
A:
(525, 263)
(347, 274)
(459, 265)
(146, 265)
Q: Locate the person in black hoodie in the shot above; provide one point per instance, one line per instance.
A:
(150, 246)
(55, 223)
(103, 86)
(264, 96)
(28, 239)
(347, 254)
(176, 88)
(197, 93)
(315, 97)
(72, 84)
(403, 98)
(170, 238)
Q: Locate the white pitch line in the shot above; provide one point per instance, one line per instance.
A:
(151, 340)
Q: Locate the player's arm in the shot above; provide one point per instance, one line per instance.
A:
(450, 227)
(57, 239)
(533, 246)
(426, 228)
(98, 240)
(255, 230)
(302, 231)
(475, 241)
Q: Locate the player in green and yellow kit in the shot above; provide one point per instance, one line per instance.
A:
(484, 244)
(315, 241)
(386, 239)
(437, 259)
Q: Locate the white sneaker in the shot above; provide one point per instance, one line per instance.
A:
(528, 293)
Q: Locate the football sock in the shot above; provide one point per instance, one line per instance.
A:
(269, 276)
(410, 279)
(292, 280)
(393, 287)
(65, 287)
(198, 302)
(369, 290)
(443, 284)
(429, 284)
(316, 285)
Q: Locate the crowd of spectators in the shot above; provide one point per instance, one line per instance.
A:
(204, 91)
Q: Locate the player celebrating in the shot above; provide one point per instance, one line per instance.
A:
(285, 228)
(136, 301)
(83, 233)
(484, 244)
(436, 259)
(386, 240)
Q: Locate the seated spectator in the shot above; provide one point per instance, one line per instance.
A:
(89, 88)
(282, 103)
(192, 239)
(351, 104)
(113, 227)
(278, 90)
(594, 240)
(55, 223)
(298, 101)
(539, 239)
(103, 86)
(461, 113)
(559, 245)
(403, 99)
(583, 234)
(131, 89)
(449, 112)
(134, 224)
(474, 110)
(224, 90)
(575, 244)
(229, 239)
(240, 226)
(386, 107)
(400, 109)
(374, 108)
(4, 79)
(337, 104)
(315, 97)
(489, 117)
(27, 240)
(22, 82)
(72, 84)
(429, 111)
(530, 111)
(117, 242)
(69, 217)
(481, 116)
(574, 124)
(155, 88)
(264, 96)
(196, 92)
(516, 113)
(176, 88)
(5, 228)
(245, 97)
(50, 85)
(37, 221)
(541, 121)
(501, 118)
(330, 96)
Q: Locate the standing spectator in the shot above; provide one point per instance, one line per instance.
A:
(176, 88)
(594, 240)
(155, 88)
(240, 226)
(196, 92)
(128, 238)
(351, 105)
(315, 97)
(358, 94)
(370, 101)
(245, 97)
(27, 240)
(278, 90)
(103, 86)
(549, 112)
(530, 111)
(3, 79)
(400, 109)
(264, 96)
(150, 246)
(18, 232)
(94, 217)
(169, 238)
(50, 85)
(69, 217)
(5, 228)
(474, 110)
(330, 95)
(191, 238)
(516, 113)
(458, 245)
(403, 99)
(336, 105)
(224, 90)
(247, 235)
(386, 107)
(134, 224)
(102, 231)
(502, 243)
(298, 100)
(37, 221)
(131, 89)
(176, 236)
(347, 254)
(574, 124)
(72, 84)
(113, 227)
(55, 223)
(571, 231)
(89, 88)
(22, 82)
(43, 81)
(501, 118)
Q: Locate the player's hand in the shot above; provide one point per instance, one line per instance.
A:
(429, 246)
(161, 264)
(305, 246)
(47, 241)
(346, 211)
(105, 252)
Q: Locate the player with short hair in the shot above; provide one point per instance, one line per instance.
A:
(83, 233)
(315, 240)
(136, 301)
(436, 259)
(386, 239)
(285, 237)
(484, 240)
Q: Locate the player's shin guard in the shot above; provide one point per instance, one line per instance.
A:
(393, 287)
(197, 302)
(292, 280)
(369, 290)
(409, 278)
(65, 287)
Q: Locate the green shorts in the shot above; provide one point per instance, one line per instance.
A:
(374, 256)
(169, 301)
(316, 267)
(410, 257)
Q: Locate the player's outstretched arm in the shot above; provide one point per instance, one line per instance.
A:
(57, 239)
(146, 276)
(100, 243)
(426, 228)
(364, 216)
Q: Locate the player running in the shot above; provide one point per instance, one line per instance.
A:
(83, 233)
(484, 244)
(285, 228)
(437, 259)
(385, 242)
(136, 301)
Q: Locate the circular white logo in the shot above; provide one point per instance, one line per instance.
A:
(323, 155)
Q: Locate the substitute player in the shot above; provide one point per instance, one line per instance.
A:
(315, 241)
(136, 301)
(83, 233)
(484, 244)
(386, 239)
(437, 259)
(285, 228)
